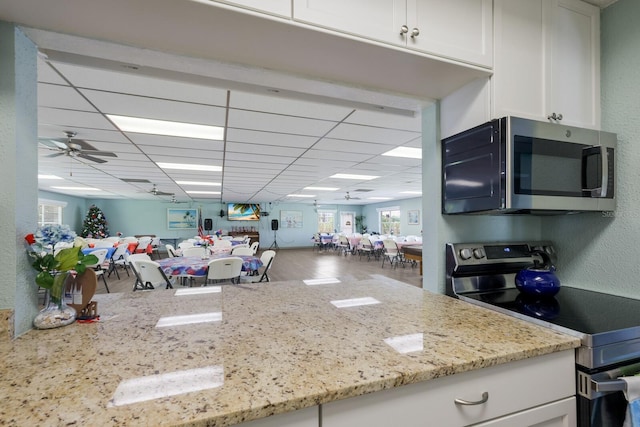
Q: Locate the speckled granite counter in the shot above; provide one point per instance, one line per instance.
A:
(263, 349)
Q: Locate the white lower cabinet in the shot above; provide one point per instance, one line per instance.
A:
(557, 414)
(307, 417)
(526, 392)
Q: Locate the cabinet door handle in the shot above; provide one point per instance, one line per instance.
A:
(415, 33)
(485, 398)
(404, 30)
(555, 116)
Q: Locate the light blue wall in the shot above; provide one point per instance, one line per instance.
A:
(598, 252)
(135, 217)
(372, 221)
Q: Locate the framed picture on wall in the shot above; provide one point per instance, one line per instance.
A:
(291, 219)
(182, 219)
(414, 217)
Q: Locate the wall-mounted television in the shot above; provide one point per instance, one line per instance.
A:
(243, 212)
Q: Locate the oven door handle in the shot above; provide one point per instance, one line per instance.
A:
(608, 385)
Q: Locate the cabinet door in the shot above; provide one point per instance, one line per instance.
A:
(274, 7)
(379, 20)
(510, 388)
(308, 417)
(557, 414)
(457, 29)
(574, 58)
(519, 73)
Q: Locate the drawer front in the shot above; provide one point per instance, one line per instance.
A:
(511, 387)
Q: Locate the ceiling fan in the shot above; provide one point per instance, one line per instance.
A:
(348, 197)
(174, 200)
(75, 148)
(157, 192)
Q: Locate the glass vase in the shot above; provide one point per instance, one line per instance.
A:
(56, 312)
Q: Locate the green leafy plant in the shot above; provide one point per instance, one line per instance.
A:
(50, 263)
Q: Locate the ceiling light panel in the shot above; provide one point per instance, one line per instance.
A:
(192, 166)
(408, 152)
(161, 127)
(353, 176)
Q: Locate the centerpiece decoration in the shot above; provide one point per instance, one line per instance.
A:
(205, 244)
(55, 267)
(218, 233)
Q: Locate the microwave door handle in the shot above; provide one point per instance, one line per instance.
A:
(605, 173)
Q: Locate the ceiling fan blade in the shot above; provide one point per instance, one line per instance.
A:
(162, 193)
(99, 153)
(53, 143)
(93, 159)
(61, 153)
(80, 144)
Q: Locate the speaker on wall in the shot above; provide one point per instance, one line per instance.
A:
(208, 224)
(274, 224)
(221, 213)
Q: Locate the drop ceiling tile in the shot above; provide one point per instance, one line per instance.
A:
(237, 147)
(270, 138)
(239, 119)
(386, 120)
(153, 108)
(65, 97)
(73, 119)
(371, 134)
(277, 104)
(141, 84)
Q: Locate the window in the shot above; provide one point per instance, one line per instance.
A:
(326, 221)
(50, 212)
(389, 220)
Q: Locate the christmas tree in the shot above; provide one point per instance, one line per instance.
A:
(95, 224)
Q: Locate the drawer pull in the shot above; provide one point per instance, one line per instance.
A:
(485, 397)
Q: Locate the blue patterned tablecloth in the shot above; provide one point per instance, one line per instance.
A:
(110, 251)
(196, 266)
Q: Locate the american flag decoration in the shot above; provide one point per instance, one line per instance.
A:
(200, 229)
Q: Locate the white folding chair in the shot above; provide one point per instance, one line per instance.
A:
(101, 254)
(118, 260)
(221, 269)
(171, 251)
(195, 251)
(267, 261)
(254, 247)
(149, 274)
(242, 250)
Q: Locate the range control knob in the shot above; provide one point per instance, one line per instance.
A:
(550, 250)
(478, 253)
(465, 253)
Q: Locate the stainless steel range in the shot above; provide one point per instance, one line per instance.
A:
(607, 325)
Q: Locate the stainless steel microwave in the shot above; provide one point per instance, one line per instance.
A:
(519, 166)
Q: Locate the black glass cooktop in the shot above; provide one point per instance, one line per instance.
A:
(579, 310)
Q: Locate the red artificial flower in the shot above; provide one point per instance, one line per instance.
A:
(30, 239)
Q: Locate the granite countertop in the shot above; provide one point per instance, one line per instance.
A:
(262, 349)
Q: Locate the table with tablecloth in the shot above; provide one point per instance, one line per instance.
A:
(197, 266)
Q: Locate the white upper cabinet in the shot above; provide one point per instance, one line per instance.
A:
(275, 7)
(547, 61)
(456, 29)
